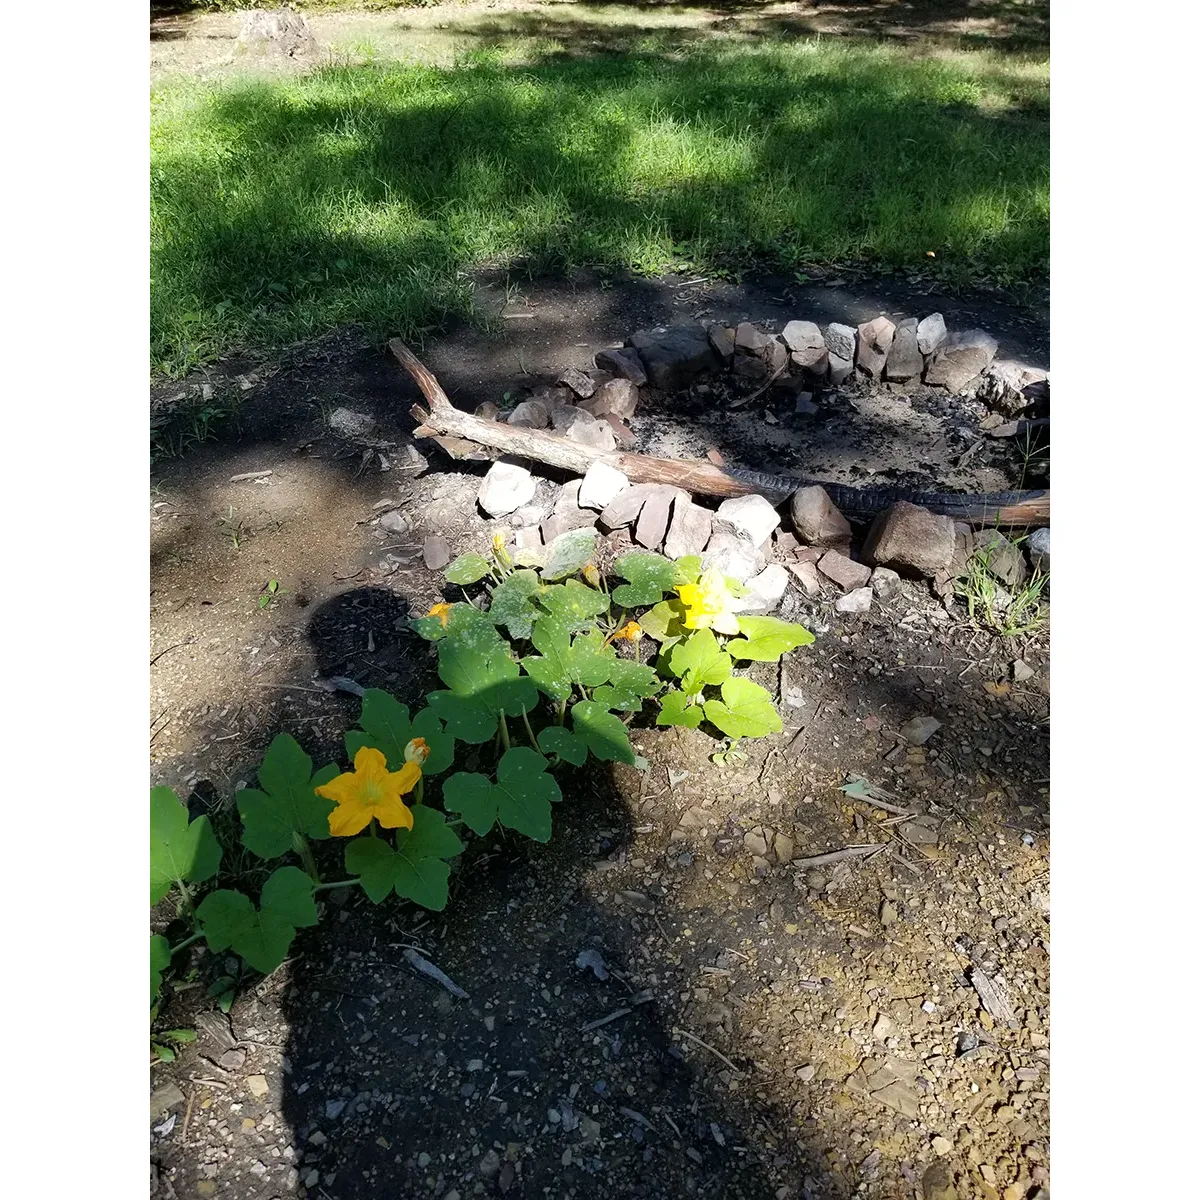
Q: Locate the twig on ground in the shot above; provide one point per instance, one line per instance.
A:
(425, 967)
(710, 1049)
(187, 1117)
(617, 1013)
(755, 395)
(250, 475)
(821, 860)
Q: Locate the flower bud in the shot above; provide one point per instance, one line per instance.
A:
(417, 751)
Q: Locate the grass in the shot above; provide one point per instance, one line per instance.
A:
(366, 194)
(1009, 613)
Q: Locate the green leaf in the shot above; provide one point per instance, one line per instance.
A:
(468, 568)
(687, 569)
(698, 661)
(466, 720)
(563, 663)
(180, 1036)
(288, 803)
(385, 725)
(630, 683)
(744, 710)
(554, 739)
(262, 937)
(677, 711)
(664, 622)
(573, 602)
(483, 681)
(160, 960)
(164, 1053)
(568, 554)
(460, 618)
(415, 869)
(512, 603)
(178, 850)
(520, 798)
(649, 575)
(605, 734)
(767, 639)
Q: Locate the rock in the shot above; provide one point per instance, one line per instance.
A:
(722, 341)
(436, 551)
(489, 1165)
(506, 487)
(257, 1086)
(347, 423)
(846, 573)
(232, 1060)
(580, 426)
(874, 342)
(214, 1028)
(765, 590)
(775, 356)
(919, 730)
(817, 519)
(751, 339)
(1000, 557)
(959, 359)
(840, 369)
(624, 364)
(732, 551)
(904, 361)
(623, 509)
(938, 1183)
(164, 1098)
(1038, 547)
(814, 364)
(884, 582)
(601, 485)
(1022, 672)
(910, 537)
(805, 406)
(802, 335)
(394, 522)
(931, 333)
(883, 1027)
(941, 1146)
(558, 523)
(618, 398)
(842, 340)
(1012, 387)
(857, 601)
(621, 431)
(691, 527)
(582, 385)
(656, 512)
(528, 514)
(532, 414)
(754, 514)
(529, 538)
(488, 411)
(334, 1109)
(807, 576)
(888, 916)
(275, 31)
(673, 356)
(785, 848)
(807, 1074)
(750, 367)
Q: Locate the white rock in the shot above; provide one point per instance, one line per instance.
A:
(506, 487)
(754, 514)
(857, 601)
(766, 589)
(351, 424)
(1038, 546)
(601, 485)
(731, 550)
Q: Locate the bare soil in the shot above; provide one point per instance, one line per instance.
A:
(791, 1032)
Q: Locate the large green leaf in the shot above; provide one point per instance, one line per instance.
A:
(386, 725)
(178, 850)
(605, 734)
(288, 803)
(767, 639)
(573, 602)
(628, 684)
(460, 618)
(664, 622)
(568, 554)
(698, 661)
(649, 575)
(676, 710)
(261, 936)
(554, 739)
(520, 798)
(468, 568)
(415, 869)
(512, 603)
(468, 720)
(687, 569)
(564, 662)
(160, 960)
(483, 681)
(744, 710)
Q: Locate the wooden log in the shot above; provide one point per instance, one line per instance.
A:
(449, 426)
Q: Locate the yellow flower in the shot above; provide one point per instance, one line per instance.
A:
(370, 790)
(417, 751)
(442, 612)
(592, 575)
(500, 550)
(631, 631)
(710, 604)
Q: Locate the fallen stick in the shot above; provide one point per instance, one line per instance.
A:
(461, 434)
(423, 965)
(710, 1049)
(821, 860)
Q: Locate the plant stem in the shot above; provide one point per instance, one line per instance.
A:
(189, 907)
(419, 791)
(456, 821)
(186, 942)
(529, 729)
(504, 730)
(560, 716)
(324, 887)
(300, 842)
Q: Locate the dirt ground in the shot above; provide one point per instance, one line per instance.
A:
(775, 1030)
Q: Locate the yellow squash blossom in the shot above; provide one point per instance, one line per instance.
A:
(442, 612)
(710, 604)
(592, 575)
(631, 631)
(370, 791)
(417, 751)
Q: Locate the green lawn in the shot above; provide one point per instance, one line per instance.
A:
(364, 193)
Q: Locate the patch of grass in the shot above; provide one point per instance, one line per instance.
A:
(363, 194)
(1008, 613)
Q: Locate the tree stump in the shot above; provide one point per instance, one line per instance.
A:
(276, 31)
